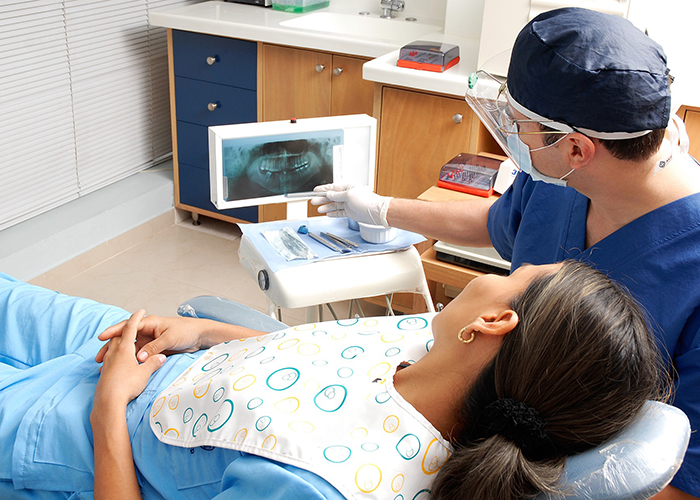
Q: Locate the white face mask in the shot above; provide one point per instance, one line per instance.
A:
(520, 154)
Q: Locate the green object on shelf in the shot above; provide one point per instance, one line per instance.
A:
(299, 6)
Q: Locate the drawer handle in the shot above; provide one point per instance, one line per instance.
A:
(212, 59)
(212, 106)
(338, 71)
(457, 118)
(320, 68)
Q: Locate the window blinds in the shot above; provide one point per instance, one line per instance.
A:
(84, 99)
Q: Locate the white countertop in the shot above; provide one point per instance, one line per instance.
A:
(247, 22)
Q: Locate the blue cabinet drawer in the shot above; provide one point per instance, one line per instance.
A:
(192, 144)
(233, 62)
(233, 105)
(194, 191)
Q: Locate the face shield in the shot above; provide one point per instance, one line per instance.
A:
(488, 97)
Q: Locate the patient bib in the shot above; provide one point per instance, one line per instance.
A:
(317, 396)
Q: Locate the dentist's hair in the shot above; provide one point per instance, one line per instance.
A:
(574, 372)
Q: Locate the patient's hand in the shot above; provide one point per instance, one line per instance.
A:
(156, 334)
(122, 376)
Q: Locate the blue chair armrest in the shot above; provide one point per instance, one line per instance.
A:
(227, 311)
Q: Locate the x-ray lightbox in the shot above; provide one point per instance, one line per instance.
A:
(258, 163)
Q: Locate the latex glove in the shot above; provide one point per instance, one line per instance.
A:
(356, 202)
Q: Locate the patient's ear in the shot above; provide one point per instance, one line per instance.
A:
(500, 324)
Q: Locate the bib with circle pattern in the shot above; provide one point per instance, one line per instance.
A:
(317, 396)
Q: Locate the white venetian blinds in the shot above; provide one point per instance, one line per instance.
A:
(83, 99)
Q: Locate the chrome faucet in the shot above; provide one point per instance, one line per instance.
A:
(391, 6)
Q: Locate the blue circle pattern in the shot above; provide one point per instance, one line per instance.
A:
(331, 398)
(283, 379)
(218, 394)
(198, 425)
(392, 351)
(262, 423)
(254, 403)
(410, 449)
(215, 362)
(352, 352)
(212, 427)
(412, 324)
(187, 415)
(341, 451)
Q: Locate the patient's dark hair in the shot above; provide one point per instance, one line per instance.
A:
(582, 358)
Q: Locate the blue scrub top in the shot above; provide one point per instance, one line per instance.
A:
(657, 257)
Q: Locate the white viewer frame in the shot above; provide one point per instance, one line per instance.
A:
(355, 165)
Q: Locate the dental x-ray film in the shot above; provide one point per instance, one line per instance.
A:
(257, 167)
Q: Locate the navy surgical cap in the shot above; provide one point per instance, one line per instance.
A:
(592, 71)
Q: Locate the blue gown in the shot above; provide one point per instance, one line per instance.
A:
(47, 383)
(657, 257)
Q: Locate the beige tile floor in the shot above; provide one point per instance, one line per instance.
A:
(162, 263)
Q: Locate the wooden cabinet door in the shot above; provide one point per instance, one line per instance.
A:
(692, 124)
(418, 135)
(350, 94)
(296, 83)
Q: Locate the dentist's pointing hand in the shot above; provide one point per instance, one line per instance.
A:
(356, 202)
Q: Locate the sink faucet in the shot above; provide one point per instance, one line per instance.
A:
(391, 6)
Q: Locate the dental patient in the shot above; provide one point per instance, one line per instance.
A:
(483, 400)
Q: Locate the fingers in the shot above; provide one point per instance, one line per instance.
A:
(112, 331)
(100, 356)
(131, 327)
(154, 347)
(319, 200)
(153, 363)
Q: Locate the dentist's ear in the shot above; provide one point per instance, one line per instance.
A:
(500, 324)
(581, 150)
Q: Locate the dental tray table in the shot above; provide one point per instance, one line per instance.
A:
(378, 269)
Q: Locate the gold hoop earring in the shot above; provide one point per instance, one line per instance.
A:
(470, 339)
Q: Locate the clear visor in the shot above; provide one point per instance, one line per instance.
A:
(488, 97)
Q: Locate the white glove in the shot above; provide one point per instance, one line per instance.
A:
(356, 202)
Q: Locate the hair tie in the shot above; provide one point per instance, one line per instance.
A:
(519, 423)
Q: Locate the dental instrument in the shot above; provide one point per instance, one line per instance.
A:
(341, 240)
(327, 243)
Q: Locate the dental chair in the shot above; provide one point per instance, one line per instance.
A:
(634, 465)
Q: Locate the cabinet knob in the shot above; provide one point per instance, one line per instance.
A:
(337, 71)
(212, 106)
(457, 118)
(212, 59)
(320, 68)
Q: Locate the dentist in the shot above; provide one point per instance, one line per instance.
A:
(606, 178)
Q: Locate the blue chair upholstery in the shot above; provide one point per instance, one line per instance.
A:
(227, 311)
(634, 465)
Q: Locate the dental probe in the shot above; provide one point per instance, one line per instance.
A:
(340, 240)
(327, 243)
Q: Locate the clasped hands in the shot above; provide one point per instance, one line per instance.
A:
(137, 347)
